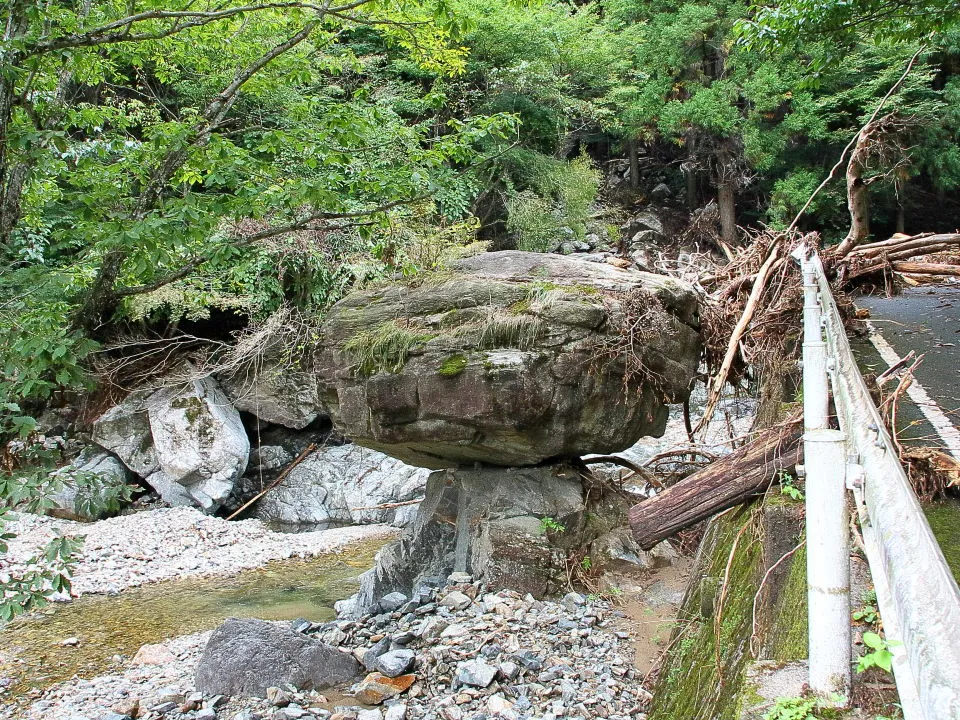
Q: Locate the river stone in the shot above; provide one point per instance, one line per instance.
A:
(247, 656)
(476, 673)
(108, 470)
(498, 362)
(485, 521)
(200, 440)
(396, 662)
(124, 430)
(332, 483)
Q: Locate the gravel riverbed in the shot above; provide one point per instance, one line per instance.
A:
(459, 653)
(169, 543)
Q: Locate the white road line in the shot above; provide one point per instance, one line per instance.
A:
(931, 411)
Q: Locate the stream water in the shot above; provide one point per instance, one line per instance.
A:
(107, 628)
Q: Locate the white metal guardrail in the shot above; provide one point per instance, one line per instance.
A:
(918, 597)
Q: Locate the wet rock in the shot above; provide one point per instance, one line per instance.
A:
(245, 657)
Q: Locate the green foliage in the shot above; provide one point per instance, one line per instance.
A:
(788, 486)
(792, 708)
(44, 575)
(552, 525)
(878, 655)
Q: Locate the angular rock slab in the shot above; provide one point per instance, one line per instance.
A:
(333, 482)
(485, 521)
(200, 441)
(504, 362)
(276, 394)
(247, 656)
(124, 430)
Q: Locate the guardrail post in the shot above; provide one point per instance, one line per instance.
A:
(815, 394)
(828, 563)
(828, 540)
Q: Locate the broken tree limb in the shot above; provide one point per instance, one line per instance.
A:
(279, 479)
(923, 268)
(759, 285)
(729, 481)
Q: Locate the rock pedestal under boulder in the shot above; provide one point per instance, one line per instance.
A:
(246, 656)
(513, 359)
(487, 522)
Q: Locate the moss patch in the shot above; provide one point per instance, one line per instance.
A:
(944, 519)
(703, 672)
(453, 365)
(788, 631)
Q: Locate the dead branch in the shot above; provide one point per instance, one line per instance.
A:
(279, 479)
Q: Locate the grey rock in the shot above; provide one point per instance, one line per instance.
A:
(660, 193)
(572, 601)
(506, 546)
(205, 714)
(371, 656)
(300, 625)
(245, 657)
(331, 482)
(374, 714)
(392, 601)
(124, 430)
(498, 375)
(475, 673)
(395, 662)
(456, 600)
(199, 439)
(396, 712)
(108, 470)
(275, 391)
(509, 670)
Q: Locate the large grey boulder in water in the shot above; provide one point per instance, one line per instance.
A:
(510, 359)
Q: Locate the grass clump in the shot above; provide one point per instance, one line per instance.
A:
(385, 348)
(509, 331)
(453, 365)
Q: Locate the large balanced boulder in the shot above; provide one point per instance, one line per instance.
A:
(510, 358)
(346, 484)
(247, 656)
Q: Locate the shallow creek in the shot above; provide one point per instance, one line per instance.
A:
(110, 629)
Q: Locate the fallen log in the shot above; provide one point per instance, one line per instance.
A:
(732, 480)
(923, 268)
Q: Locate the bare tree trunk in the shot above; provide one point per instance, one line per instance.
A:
(15, 25)
(728, 212)
(732, 480)
(858, 200)
(901, 220)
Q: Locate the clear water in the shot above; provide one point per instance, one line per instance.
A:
(31, 650)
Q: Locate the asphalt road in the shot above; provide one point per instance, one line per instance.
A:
(927, 321)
